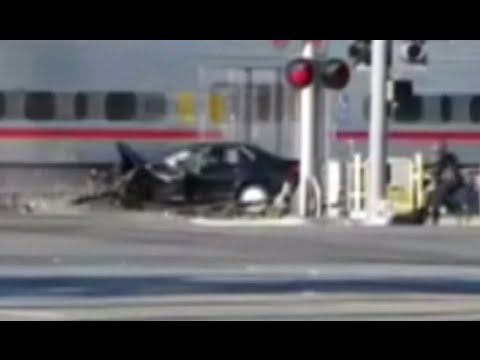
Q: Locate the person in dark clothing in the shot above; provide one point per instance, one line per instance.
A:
(447, 180)
(468, 195)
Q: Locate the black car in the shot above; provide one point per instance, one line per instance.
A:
(207, 173)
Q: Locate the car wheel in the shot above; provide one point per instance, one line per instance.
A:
(253, 198)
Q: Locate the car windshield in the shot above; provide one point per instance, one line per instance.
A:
(178, 159)
(254, 151)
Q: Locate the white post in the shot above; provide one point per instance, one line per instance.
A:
(307, 135)
(232, 121)
(378, 128)
(330, 103)
(203, 86)
(357, 185)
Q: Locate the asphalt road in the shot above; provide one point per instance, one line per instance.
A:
(141, 266)
(148, 239)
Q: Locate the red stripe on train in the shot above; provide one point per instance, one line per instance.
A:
(417, 136)
(108, 134)
(194, 135)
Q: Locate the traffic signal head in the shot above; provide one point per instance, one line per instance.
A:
(300, 73)
(413, 52)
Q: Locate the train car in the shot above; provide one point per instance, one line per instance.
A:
(71, 100)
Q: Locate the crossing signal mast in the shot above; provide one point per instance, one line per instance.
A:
(377, 55)
(308, 74)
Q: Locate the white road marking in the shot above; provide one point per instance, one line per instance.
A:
(308, 305)
(32, 314)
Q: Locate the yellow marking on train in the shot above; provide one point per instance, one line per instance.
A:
(186, 107)
(216, 108)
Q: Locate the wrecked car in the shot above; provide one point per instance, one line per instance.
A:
(204, 173)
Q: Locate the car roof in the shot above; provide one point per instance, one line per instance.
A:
(195, 146)
(225, 144)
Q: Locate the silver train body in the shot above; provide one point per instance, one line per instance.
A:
(69, 101)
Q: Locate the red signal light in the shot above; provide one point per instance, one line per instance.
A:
(335, 74)
(300, 73)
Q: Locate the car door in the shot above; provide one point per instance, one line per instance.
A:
(219, 172)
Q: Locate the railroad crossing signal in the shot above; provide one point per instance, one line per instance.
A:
(413, 52)
(333, 73)
(360, 52)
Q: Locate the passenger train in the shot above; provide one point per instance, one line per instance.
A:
(70, 100)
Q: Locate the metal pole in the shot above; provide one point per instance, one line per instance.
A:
(277, 110)
(307, 135)
(248, 121)
(329, 136)
(232, 114)
(378, 128)
(203, 123)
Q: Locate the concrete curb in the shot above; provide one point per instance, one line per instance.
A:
(455, 222)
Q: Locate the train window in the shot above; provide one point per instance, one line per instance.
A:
(446, 109)
(475, 109)
(291, 104)
(278, 100)
(263, 102)
(15, 104)
(40, 106)
(156, 106)
(3, 105)
(120, 106)
(64, 105)
(80, 105)
(366, 109)
(408, 110)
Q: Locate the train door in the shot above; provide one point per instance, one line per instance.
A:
(258, 110)
(265, 106)
(221, 94)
